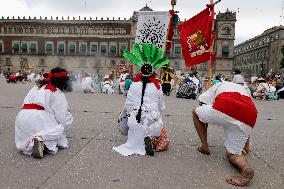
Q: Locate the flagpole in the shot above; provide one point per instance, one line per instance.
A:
(210, 71)
(173, 3)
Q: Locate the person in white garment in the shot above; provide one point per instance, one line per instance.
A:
(195, 81)
(141, 118)
(122, 78)
(87, 84)
(31, 77)
(238, 78)
(44, 116)
(107, 85)
(262, 89)
(39, 77)
(228, 105)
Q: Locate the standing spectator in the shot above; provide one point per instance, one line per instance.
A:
(238, 78)
(128, 82)
(166, 86)
(216, 80)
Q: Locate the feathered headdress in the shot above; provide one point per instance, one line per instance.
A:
(147, 57)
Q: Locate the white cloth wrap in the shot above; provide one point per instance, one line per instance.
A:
(48, 124)
(151, 120)
(236, 132)
(235, 137)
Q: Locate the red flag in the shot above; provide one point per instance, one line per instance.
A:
(170, 31)
(196, 37)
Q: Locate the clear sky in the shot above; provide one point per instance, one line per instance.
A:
(253, 16)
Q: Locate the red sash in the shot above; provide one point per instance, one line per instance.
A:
(237, 106)
(32, 107)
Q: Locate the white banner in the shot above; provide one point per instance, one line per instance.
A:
(152, 27)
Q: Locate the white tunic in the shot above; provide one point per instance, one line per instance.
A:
(87, 84)
(238, 79)
(151, 120)
(38, 77)
(31, 77)
(107, 87)
(49, 124)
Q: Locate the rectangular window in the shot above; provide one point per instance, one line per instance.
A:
(103, 49)
(83, 49)
(61, 48)
(33, 48)
(41, 62)
(49, 48)
(72, 48)
(8, 61)
(225, 51)
(113, 49)
(16, 47)
(1, 47)
(122, 48)
(177, 50)
(94, 48)
(24, 48)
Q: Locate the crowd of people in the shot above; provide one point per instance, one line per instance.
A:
(184, 85)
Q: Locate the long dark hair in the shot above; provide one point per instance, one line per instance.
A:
(144, 80)
(58, 82)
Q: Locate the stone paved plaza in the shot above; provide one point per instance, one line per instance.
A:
(89, 162)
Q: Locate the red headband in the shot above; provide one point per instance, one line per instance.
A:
(48, 76)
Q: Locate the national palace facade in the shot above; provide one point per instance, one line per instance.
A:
(261, 54)
(93, 45)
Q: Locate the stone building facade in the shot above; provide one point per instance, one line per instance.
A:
(93, 45)
(77, 45)
(259, 55)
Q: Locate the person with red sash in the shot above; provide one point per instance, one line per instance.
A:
(229, 105)
(141, 118)
(44, 116)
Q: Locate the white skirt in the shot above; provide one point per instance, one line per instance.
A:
(41, 124)
(235, 137)
(150, 125)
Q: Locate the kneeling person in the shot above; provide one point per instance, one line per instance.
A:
(229, 105)
(44, 116)
(141, 117)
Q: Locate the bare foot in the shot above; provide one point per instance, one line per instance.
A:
(203, 150)
(242, 179)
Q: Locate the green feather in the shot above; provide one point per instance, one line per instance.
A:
(137, 52)
(147, 52)
(161, 63)
(130, 57)
(158, 54)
